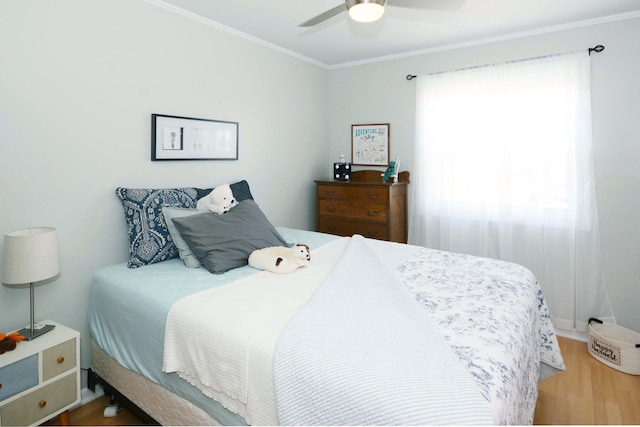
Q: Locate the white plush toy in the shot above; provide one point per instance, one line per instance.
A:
(280, 259)
(219, 201)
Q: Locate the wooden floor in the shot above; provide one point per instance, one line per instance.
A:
(587, 393)
(91, 414)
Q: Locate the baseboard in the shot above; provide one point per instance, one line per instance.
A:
(87, 395)
(574, 335)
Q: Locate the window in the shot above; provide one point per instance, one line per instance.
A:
(503, 169)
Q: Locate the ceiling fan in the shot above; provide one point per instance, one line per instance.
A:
(363, 10)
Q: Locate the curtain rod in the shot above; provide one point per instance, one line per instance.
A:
(598, 48)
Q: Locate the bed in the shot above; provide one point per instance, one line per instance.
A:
(370, 333)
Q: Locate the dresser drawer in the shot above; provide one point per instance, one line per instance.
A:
(353, 210)
(342, 227)
(40, 403)
(364, 194)
(58, 359)
(18, 376)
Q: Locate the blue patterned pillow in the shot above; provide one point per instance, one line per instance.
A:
(149, 238)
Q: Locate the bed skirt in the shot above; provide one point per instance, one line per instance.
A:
(164, 406)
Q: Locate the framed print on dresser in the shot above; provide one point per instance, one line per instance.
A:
(370, 144)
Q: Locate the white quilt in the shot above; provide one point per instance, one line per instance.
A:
(222, 340)
(363, 352)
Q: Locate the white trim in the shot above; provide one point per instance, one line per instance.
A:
(504, 37)
(573, 334)
(232, 31)
(545, 30)
(89, 396)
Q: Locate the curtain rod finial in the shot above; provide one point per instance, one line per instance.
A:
(598, 48)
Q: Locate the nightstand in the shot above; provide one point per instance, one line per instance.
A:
(41, 378)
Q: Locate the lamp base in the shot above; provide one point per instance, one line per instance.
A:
(38, 329)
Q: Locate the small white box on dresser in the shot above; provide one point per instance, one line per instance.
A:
(40, 379)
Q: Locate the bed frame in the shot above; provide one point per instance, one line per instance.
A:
(149, 401)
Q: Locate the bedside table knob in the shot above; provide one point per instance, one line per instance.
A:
(42, 403)
(60, 359)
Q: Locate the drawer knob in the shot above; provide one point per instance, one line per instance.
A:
(42, 403)
(373, 214)
(60, 359)
(373, 196)
(331, 193)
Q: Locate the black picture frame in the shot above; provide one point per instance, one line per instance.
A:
(188, 138)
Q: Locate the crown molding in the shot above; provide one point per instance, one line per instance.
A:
(211, 23)
(487, 40)
(511, 36)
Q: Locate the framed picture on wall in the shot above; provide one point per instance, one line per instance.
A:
(370, 144)
(186, 138)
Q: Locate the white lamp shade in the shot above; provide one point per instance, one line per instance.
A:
(30, 255)
(366, 10)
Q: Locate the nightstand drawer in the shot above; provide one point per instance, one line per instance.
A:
(18, 376)
(40, 403)
(58, 359)
(353, 210)
(364, 194)
(348, 228)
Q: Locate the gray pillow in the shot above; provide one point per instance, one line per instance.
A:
(223, 242)
(186, 255)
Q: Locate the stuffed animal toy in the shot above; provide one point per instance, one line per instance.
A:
(8, 342)
(219, 201)
(280, 259)
(391, 170)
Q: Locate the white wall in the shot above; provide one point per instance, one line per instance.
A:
(379, 93)
(79, 81)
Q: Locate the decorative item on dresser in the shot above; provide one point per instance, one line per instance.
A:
(370, 144)
(365, 205)
(41, 379)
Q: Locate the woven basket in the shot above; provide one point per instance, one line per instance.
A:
(615, 346)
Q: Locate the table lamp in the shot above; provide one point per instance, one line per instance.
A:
(30, 255)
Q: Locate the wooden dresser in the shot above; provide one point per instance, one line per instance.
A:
(365, 205)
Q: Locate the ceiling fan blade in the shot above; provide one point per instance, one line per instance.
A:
(324, 16)
(428, 4)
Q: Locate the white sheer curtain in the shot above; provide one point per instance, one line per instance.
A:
(503, 168)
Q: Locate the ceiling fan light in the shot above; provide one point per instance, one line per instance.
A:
(365, 11)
